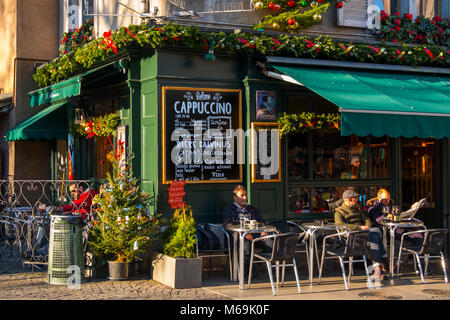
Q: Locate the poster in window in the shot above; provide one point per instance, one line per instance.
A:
(265, 105)
(198, 143)
(265, 152)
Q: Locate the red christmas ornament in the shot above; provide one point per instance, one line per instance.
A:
(271, 6)
(339, 5)
(276, 7)
(291, 21)
(321, 1)
(291, 3)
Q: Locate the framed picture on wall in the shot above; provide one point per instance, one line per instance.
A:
(265, 152)
(265, 105)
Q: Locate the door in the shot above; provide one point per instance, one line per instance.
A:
(419, 177)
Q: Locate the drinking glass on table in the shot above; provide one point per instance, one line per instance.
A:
(386, 212)
(396, 213)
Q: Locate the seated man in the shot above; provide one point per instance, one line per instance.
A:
(82, 200)
(231, 216)
(350, 216)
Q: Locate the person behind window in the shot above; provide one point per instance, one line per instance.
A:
(231, 216)
(349, 215)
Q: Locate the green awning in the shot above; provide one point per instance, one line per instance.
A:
(380, 103)
(72, 86)
(61, 90)
(50, 123)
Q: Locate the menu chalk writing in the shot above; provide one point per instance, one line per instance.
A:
(198, 124)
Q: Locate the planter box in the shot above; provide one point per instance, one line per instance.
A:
(178, 273)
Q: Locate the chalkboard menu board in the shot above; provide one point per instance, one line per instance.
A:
(266, 152)
(196, 123)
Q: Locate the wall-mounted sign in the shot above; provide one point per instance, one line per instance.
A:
(265, 152)
(176, 194)
(198, 126)
(122, 145)
(265, 105)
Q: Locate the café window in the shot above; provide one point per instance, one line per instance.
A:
(337, 157)
(316, 156)
(389, 6)
(77, 13)
(316, 201)
(427, 8)
(321, 166)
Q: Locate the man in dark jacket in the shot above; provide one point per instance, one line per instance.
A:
(231, 215)
(350, 216)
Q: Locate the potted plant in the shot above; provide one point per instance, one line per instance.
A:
(178, 266)
(123, 226)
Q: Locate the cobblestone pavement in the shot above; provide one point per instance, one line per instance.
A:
(17, 283)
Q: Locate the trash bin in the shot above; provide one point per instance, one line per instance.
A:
(65, 258)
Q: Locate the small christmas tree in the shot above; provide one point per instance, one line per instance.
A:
(123, 226)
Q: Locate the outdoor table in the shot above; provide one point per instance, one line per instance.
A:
(241, 233)
(392, 226)
(313, 227)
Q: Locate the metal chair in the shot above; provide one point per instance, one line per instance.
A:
(290, 226)
(223, 251)
(344, 245)
(431, 247)
(283, 250)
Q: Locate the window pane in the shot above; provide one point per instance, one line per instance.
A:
(73, 12)
(389, 6)
(418, 169)
(88, 10)
(337, 157)
(321, 105)
(426, 8)
(297, 104)
(298, 200)
(298, 157)
(379, 149)
(322, 200)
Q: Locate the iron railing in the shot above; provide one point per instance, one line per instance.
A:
(25, 209)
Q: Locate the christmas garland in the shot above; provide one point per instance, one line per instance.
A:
(309, 121)
(290, 15)
(422, 30)
(73, 40)
(174, 35)
(102, 126)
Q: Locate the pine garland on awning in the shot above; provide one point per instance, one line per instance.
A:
(305, 122)
(173, 35)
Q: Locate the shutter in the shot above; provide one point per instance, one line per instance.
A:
(354, 13)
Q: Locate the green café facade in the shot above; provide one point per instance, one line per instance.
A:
(393, 131)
